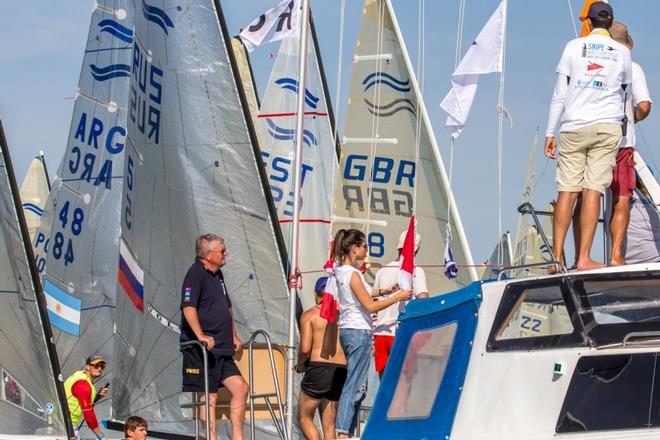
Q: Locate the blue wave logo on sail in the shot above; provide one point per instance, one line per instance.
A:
(394, 107)
(292, 84)
(157, 16)
(111, 71)
(285, 134)
(33, 208)
(385, 78)
(114, 28)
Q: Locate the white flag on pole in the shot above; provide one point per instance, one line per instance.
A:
(484, 56)
(277, 23)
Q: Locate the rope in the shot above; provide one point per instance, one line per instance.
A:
(570, 10)
(375, 120)
(500, 135)
(420, 75)
(457, 54)
(340, 54)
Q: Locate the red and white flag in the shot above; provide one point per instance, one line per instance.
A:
(408, 257)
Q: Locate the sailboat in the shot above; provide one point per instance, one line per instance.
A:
(77, 242)
(390, 163)
(32, 400)
(276, 131)
(192, 166)
(34, 193)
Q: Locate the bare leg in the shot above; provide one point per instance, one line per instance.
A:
(561, 221)
(618, 228)
(576, 227)
(307, 407)
(328, 416)
(588, 222)
(238, 389)
(213, 398)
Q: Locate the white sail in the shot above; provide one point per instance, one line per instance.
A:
(191, 167)
(380, 176)
(29, 403)
(76, 245)
(501, 258)
(276, 132)
(34, 193)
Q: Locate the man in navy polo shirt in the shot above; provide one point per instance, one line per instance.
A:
(207, 317)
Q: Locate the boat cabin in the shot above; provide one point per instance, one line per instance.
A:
(572, 355)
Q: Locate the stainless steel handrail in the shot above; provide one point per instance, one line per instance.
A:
(281, 425)
(207, 408)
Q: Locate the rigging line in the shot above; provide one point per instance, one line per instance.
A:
(452, 142)
(570, 10)
(155, 376)
(500, 136)
(420, 75)
(338, 107)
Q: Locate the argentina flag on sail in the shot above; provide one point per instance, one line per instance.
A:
(63, 309)
(277, 23)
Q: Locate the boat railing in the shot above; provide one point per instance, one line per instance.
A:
(196, 404)
(266, 396)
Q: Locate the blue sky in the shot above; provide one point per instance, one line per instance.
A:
(43, 43)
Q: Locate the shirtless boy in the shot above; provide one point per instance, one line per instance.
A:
(323, 361)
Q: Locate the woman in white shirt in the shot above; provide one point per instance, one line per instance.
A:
(356, 306)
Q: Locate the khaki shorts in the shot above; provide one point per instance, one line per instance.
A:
(587, 157)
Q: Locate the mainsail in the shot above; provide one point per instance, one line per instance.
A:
(191, 167)
(276, 131)
(30, 397)
(382, 179)
(34, 193)
(77, 244)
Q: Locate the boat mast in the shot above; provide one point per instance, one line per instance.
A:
(293, 276)
(38, 292)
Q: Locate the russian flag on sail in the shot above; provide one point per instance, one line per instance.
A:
(131, 276)
(329, 301)
(63, 309)
(408, 257)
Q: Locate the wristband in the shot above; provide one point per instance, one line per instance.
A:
(100, 437)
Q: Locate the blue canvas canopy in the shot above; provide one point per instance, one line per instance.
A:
(421, 387)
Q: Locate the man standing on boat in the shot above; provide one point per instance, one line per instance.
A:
(385, 324)
(207, 317)
(322, 359)
(81, 394)
(638, 107)
(588, 105)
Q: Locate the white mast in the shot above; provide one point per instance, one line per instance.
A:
(293, 281)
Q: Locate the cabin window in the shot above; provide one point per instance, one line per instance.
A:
(537, 311)
(620, 301)
(422, 372)
(612, 392)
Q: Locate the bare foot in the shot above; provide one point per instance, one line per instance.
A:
(617, 261)
(553, 269)
(589, 264)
